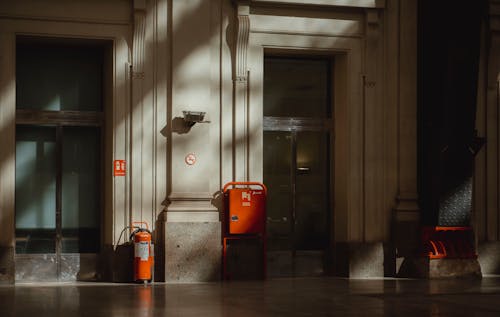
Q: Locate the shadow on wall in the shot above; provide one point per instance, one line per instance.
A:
(180, 126)
(119, 260)
(218, 202)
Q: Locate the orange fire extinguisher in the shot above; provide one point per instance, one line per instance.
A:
(143, 253)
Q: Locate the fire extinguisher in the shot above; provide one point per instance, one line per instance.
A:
(143, 253)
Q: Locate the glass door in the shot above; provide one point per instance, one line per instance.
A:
(36, 156)
(57, 198)
(297, 129)
(296, 171)
(58, 157)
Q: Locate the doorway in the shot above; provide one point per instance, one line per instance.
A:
(297, 153)
(59, 133)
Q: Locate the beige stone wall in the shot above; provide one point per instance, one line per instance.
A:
(196, 41)
(147, 145)
(171, 56)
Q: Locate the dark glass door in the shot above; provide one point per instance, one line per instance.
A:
(57, 199)
(296, 171)
(297, 137)
(58, 157)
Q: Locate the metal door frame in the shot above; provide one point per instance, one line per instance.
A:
(58, 237)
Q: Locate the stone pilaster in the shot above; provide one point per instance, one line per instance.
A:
(7, 150)
(240, 82)
(406, 216)
(192, 226)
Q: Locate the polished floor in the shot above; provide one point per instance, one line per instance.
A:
(278, 297)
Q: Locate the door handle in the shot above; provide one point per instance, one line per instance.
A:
(303, 170)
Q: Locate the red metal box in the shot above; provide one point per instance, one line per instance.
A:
(246, 209)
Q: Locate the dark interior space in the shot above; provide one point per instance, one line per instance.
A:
(449, 34)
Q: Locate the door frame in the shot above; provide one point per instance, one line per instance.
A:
(347, 114)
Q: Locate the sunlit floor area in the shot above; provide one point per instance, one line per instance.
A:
(278, 297)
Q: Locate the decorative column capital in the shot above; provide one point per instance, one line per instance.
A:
(242, 37)
(138, 54)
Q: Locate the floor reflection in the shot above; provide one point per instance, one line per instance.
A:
(279, 297)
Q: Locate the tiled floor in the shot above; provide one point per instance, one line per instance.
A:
(278, 297)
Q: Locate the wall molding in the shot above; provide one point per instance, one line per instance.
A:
(139, 44)
(243, 32)
(240, 80)
(330, 3)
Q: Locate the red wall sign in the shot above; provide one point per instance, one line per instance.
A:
(120, 167)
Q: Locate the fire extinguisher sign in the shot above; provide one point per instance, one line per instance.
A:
(246, 198)
(119, 167)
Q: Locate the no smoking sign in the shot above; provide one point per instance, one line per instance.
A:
(190, 159)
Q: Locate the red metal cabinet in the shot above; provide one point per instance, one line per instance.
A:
(246, 211)
(245, 218)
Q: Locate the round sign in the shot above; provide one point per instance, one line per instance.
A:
(190, 159)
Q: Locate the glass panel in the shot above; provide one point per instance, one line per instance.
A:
(35, 189)
(277, 165)
(296, 87)
(81, 179)
(58, 77)
(312, 188)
